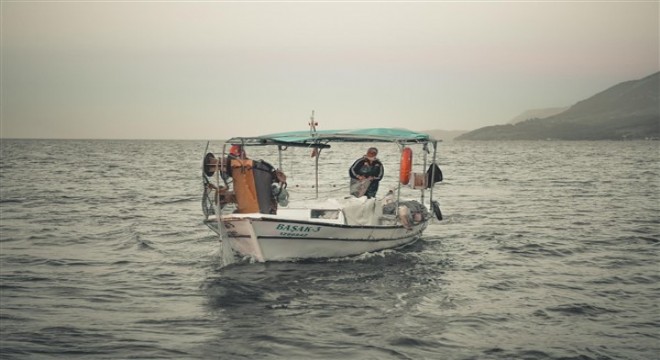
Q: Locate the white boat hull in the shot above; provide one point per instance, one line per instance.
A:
(271, 239)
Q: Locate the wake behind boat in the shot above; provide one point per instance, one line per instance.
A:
(247, 203)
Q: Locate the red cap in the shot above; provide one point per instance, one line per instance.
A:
(236, 150)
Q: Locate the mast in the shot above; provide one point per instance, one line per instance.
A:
(312, 131)
(312, 125)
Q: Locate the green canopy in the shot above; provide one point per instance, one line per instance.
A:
(321, 137)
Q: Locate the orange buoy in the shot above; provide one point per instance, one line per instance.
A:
(406, 165)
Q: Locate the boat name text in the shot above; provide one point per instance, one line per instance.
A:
(296, 230)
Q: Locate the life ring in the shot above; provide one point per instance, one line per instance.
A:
(406, 165)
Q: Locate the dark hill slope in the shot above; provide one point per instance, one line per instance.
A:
(629, 110)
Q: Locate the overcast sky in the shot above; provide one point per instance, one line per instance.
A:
(210, 70)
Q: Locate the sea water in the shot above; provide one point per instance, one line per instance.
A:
(547, 250)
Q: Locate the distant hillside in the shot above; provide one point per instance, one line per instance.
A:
(537, 114)
(445, 135)
(629, 110)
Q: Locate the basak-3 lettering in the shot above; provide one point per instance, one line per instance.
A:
(297, 228)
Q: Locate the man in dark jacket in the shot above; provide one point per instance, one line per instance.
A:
(366, 173)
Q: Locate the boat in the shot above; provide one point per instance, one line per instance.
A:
(247, 203)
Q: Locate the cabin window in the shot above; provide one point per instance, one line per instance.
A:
(325, 214)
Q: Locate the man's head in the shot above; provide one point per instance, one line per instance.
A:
(237, 151)
(371, 153)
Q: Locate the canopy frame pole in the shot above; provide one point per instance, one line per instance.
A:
(425, 149)
(398, 188)
(316, 165)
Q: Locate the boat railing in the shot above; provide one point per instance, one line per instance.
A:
(210, 202)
